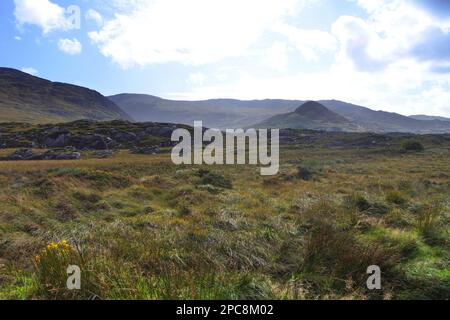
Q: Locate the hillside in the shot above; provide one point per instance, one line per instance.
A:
(382, 121)
(217, 113)
(310, 115)
(25, 98)
(140, 227)
(230, 113)
(427, 118)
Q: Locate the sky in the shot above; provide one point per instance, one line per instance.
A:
(391, 55)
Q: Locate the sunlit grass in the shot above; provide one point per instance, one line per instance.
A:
(146, 229)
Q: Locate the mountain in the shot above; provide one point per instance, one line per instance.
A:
(428, 118)
(217, 113)
(25, 98)
(382, 121)
(310, 115)
(230, 113)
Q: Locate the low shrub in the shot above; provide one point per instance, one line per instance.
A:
(51, 269)
(428, 223)
(395, 197)
(357, 201)
(336, 254)
(304, 173)
(183, 209)
(210, 178)
(413, 146)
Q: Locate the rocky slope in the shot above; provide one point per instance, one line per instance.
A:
(25, 98)
(310, 115)
(88, 135)
(231, 113)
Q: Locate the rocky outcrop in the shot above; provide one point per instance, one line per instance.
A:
(160, 131)
(87, 135)
(91, 142)
(122, 136)
(57, 139)
(56, 154)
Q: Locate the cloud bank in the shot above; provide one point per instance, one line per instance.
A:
(42, 13)
(70, 46)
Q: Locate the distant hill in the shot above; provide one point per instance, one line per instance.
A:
(230, 113)
(217, 113)
(310, 115)
(428, 118)
(382, 121)
(25, 98)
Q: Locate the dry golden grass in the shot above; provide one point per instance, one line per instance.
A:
(148, 229)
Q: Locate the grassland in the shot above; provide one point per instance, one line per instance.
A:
(141, 228)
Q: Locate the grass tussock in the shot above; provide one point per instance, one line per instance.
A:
(141, 228)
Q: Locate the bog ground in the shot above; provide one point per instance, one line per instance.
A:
(140, 227)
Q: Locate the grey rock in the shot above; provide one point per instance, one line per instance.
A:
(146, 150)
(28, 155)
(92, 142)
(123, 136)
(57, 140)
(68, 156)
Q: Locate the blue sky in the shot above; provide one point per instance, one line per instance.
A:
(392, 55)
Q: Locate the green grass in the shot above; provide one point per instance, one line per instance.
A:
(146, 229)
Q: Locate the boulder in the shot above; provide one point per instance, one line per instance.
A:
(160, 131)
(123, 136)
(28, 155)
(92, 142)
(68, 156)
(57, 140)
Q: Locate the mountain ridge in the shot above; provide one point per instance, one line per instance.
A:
(428, 118)
(30, 99)
(234, 113)
(27, 98)
(310, 115)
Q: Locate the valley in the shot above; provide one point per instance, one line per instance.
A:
(82, 183)
(141, 227)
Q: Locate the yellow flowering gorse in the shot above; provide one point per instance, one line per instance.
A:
(55, 248)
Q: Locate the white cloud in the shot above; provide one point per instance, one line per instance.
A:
(30, 70)
(69, 46)
(95, 16)
(360, 45)
(42, 13)
(17, 38)
(277, 56)
(392, 30)
(190, 32)
(391, 91)
(310, 43)
(373, 66)
(405, 86)
(197, 78)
